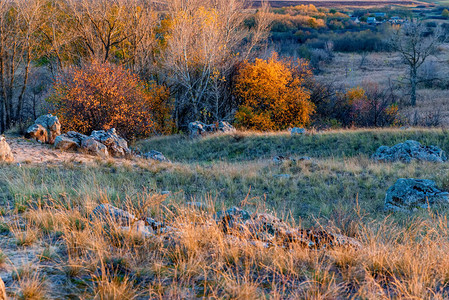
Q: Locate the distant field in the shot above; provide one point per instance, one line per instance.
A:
(331, 3)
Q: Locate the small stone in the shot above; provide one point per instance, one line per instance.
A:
(297, 131)
(156, 155)
(283, 176)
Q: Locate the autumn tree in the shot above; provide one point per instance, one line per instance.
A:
(104, 95)
(415, 44)
(204, 42)
(372, 106)
(272, 94)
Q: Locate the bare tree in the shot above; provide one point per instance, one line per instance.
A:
(415, 44)
(20, 23)
(205, 41)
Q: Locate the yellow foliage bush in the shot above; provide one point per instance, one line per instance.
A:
(272, 94)
(103, 95)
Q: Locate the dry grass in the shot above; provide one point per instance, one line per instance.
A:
(74, 255)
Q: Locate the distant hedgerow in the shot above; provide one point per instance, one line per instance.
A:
(103, 95)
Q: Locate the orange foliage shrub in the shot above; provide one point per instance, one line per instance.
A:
(103, 96)
(272, 94)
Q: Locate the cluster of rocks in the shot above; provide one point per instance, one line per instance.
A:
(198, 128)
(264, 228)
(103, 143)
(409, 151)
(270, 229)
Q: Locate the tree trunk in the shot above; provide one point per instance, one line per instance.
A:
(413, 84)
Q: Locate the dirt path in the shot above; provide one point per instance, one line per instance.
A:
(30, 151)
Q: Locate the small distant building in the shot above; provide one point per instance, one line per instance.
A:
(371, 20)
(355, 20)
(396, 20)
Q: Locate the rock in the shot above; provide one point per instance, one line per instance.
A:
(45, 129)
(71, 140)
(297, 130)
(198, 128)
(156, 155)
(283, 176)
(5, 151)
(408, 151)
(94, 147)
(225, 127)
(107, 212)
(2, 290)
(269, 229)
(117, 146)
(279, 159)
(321, 239)
(231, 217)
(302, 158)
(63, 142)
(411, 194)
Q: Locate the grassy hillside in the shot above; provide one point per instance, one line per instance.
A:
(247, 146)
(403, 255)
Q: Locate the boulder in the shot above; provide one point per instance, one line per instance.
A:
(94, 147)
(297, 130)
(69, 141)
(156, 155)
(411, 194)
(45, 129)
(116, 145)
(107, 212)
(408, 151)
(198, 128)
(231, 217)
(5, 151)
(2, 290)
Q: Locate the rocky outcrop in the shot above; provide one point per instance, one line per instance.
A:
(116, 145)
(156, 155)
(411, 194)
(92, 146)
(5, 151)
(101, 143)
(269, 229)
(45, 129)
(198, 128)
(409, 151)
